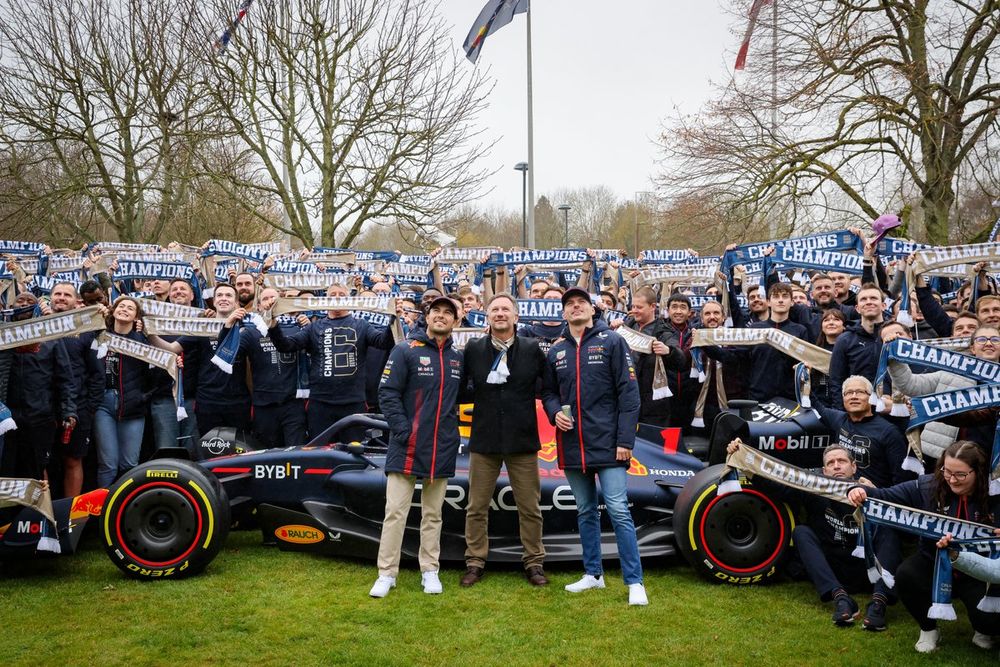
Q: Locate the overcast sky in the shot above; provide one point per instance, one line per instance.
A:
(605, 76)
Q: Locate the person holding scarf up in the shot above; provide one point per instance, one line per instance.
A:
(337, 346)
(958, 488)
(500, 375)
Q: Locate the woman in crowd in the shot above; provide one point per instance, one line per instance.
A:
(831, 326)
(121, 416)
(958, 488)
(984, 344)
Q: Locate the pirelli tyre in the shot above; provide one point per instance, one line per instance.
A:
(738, 538)
(165, 519)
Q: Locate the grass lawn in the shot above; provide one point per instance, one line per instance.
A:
(257, 605)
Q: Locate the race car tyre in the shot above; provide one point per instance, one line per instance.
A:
(738, 538)
(165, 519)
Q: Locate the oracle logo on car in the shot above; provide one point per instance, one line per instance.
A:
(789, 442)
(298, 534)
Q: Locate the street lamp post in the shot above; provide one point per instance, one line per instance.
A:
(565, 209)
(523, 168)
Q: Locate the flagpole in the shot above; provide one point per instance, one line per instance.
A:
(285, 29)
(774, 95)
(531, 146)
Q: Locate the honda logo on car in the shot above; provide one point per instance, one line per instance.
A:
(298, 534)
(785, 442)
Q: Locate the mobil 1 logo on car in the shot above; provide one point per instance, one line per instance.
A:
(800, 449)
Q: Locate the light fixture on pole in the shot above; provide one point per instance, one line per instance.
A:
(565, 209)
(523, 168)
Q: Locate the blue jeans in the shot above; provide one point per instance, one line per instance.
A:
(167, 431)
(118, 442)
(614, 489)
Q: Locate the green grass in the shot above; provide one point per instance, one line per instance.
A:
(259, 606)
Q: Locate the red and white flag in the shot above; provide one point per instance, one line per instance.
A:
(741, 57)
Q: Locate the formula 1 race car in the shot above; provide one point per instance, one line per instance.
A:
(169, 517)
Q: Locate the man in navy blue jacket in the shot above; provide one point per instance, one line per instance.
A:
(338, 350)
(279, 415)
(771, 371)
(857, 350)
(418, 393)
(591, 395)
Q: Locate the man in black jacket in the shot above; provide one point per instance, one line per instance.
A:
(40, 395)
(88, 387)
(502, 370)
(643, 319)
(771, 370)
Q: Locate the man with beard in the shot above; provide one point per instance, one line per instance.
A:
(92, 294)
(40, 395)
(642, 318)
(826, 540)
(429, 295)
(757, 304)
(723, 382)
(811, 317)
(857, 350)
(88, 384)
(246, 289)
(502, 371)
(842, 293)
(879, 449)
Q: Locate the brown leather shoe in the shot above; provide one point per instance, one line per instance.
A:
(472, 575)
(536, 576)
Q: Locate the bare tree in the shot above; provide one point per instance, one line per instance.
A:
(355, 111)
(876, 100)
(102, 93)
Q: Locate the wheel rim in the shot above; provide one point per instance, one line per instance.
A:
(742, 532)
(159, 524)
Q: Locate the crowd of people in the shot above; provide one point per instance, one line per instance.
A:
(284, 344)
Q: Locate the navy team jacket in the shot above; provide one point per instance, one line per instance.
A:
(417, 395)
(597, 380)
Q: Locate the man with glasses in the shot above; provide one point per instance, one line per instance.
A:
(878, 449)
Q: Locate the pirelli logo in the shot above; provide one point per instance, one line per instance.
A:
(161, 474)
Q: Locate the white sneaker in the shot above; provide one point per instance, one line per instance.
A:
(982, 641)
(637, 595)
(586, 583)
(431, 582)
(382, 586)
(928, 641)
